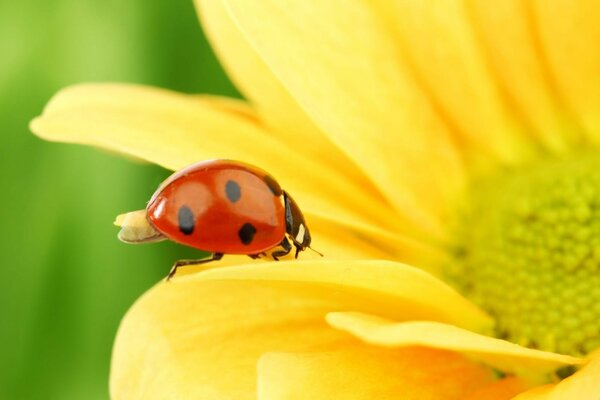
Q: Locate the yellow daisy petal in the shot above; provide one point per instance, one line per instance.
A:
(344, 242)
(175, 130)
(583, 385)
(509, 40)
(464, 89)
(272, 101)
(341, 239)
(504, 389)
(191, 339)
(344, 69)
(388, 288)
(569, 34)
(164, 127)
(499, 353)
(363, 373)
(208, 330)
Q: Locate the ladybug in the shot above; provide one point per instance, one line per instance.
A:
(223, 207)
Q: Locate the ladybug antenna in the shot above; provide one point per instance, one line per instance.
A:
(319, 253)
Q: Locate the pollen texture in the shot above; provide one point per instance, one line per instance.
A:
(527, 250)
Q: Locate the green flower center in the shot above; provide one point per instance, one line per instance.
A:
(528, 252)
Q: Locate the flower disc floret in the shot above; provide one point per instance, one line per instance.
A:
(528, 251)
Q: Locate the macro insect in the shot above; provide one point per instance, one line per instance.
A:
(222, 207)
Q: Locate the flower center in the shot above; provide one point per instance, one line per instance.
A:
(527, 250)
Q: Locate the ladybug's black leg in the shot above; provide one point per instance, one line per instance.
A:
(286, 248)
(183, 263)
(298, 249)
(257, 256)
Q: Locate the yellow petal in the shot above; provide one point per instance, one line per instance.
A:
(164, 127)
(201, 336)
(365, 374)
(508, 35)
(501, 354)
(451, 65)
(387, 288)
(272, 101)
(569, 34)
(583, 385)
(504, 389)
(190, 339)
(348, 239)
(342, 66)
(175, 130)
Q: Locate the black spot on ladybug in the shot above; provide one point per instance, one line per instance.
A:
(233, 191)
(246, 233)
(273, 185)
(186, 220)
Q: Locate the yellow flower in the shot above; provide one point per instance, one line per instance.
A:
(457, 137)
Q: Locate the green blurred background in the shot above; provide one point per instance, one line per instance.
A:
(66, 279)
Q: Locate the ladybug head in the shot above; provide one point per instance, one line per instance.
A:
(295, 225)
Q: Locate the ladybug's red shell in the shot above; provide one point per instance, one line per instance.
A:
(220, 206)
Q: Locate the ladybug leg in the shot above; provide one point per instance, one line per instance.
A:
(286, 248)
(299, 248)
(183, 263)
(257, 256)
